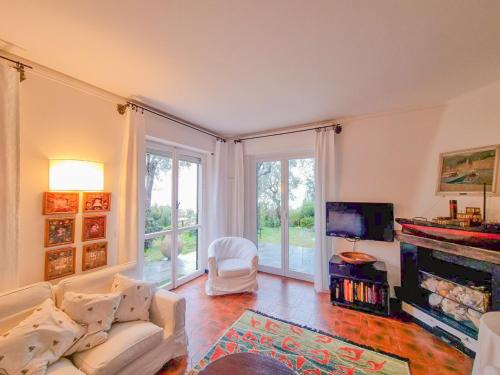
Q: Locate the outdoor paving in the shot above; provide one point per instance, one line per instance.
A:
(301, 260)
(159, 271)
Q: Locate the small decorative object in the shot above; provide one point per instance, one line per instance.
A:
(353, 257)
(468, 171)
(93, 228)
(96, 202)
(59, 231)
(94, 255)
(59, 262)
(60, 203)
(453, 208)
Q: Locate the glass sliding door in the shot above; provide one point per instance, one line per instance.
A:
(269, 213)
(188, 216)
(172, 228)
(285, 216)
(301, 233)
(158, 244)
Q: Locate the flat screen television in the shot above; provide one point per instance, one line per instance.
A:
(363, 221)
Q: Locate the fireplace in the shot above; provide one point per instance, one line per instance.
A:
(447, 287)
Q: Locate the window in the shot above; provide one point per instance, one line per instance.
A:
(172, 228)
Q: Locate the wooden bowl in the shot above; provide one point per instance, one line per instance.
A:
(353, 257)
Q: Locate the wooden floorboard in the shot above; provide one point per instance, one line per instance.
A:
(208, 317)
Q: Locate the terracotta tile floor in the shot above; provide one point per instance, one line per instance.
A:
(208, 317)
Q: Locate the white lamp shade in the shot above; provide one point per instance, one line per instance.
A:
(81, 175)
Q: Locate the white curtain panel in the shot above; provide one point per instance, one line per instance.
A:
(325, 191)
(131, 201)
(238, 194)
(9, 170)
(218, 193)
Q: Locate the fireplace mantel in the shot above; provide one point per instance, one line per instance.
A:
(490, 256)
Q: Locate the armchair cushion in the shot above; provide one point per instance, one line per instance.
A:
(233, 267)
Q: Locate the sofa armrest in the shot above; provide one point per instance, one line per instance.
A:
(168, 310)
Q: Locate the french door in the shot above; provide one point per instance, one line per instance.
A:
(173, 222)
(285, 215)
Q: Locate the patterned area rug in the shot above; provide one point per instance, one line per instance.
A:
(304, 350)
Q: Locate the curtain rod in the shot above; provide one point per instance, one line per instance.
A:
(336, 127)
(19, 63)
(19, 67)
(143, 107)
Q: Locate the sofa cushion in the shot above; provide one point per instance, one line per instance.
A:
(63, 367)
(96, 312)
(136, 298)
(126, 342)
(16, 305)
(94, 282)
(233, 267)
(39, 340)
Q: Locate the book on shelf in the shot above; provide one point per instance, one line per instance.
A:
(359, 291)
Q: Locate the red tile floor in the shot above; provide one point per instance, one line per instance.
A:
(208, 317)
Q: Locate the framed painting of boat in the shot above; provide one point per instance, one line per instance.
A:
(466, 171)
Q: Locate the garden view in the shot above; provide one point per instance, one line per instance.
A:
(301, 234)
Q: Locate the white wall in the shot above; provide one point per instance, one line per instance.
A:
(61, 122)
(471, 120)
(379, 160)
(58, 121)
(394, 158)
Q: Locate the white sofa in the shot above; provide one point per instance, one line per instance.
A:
(137, 347)
(232, 266)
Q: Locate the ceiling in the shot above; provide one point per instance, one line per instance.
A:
(241, 66)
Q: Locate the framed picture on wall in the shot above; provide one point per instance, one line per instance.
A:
(60, 203)
(93, 228)
(467, 171)
(60, 231)
(96, 202)
(59, 262)
(94, 255)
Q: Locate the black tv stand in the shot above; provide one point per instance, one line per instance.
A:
(359, 287)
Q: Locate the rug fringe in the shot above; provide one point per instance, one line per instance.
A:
(395, 356)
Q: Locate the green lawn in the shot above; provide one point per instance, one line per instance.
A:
(299, 236)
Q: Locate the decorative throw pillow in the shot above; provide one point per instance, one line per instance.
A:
(95, 312)
(39, 340)
(136, 298)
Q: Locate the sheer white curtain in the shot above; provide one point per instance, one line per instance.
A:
(131, 202)
(325, 191)
(9, 170)
(238, 191)
(217, 207)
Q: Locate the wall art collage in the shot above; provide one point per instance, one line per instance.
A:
(62, 209)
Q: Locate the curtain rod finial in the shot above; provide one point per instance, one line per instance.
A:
(121, 108)
(338, 129)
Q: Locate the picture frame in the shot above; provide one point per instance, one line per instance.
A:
(93, 228)
(56, 203)
(466, 171)
(94, 255)
(96, 202)
(60, 262)
(59, 231)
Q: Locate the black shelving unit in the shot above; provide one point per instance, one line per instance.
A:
(364, 288)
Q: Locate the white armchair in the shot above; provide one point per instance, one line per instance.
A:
(232, 266)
